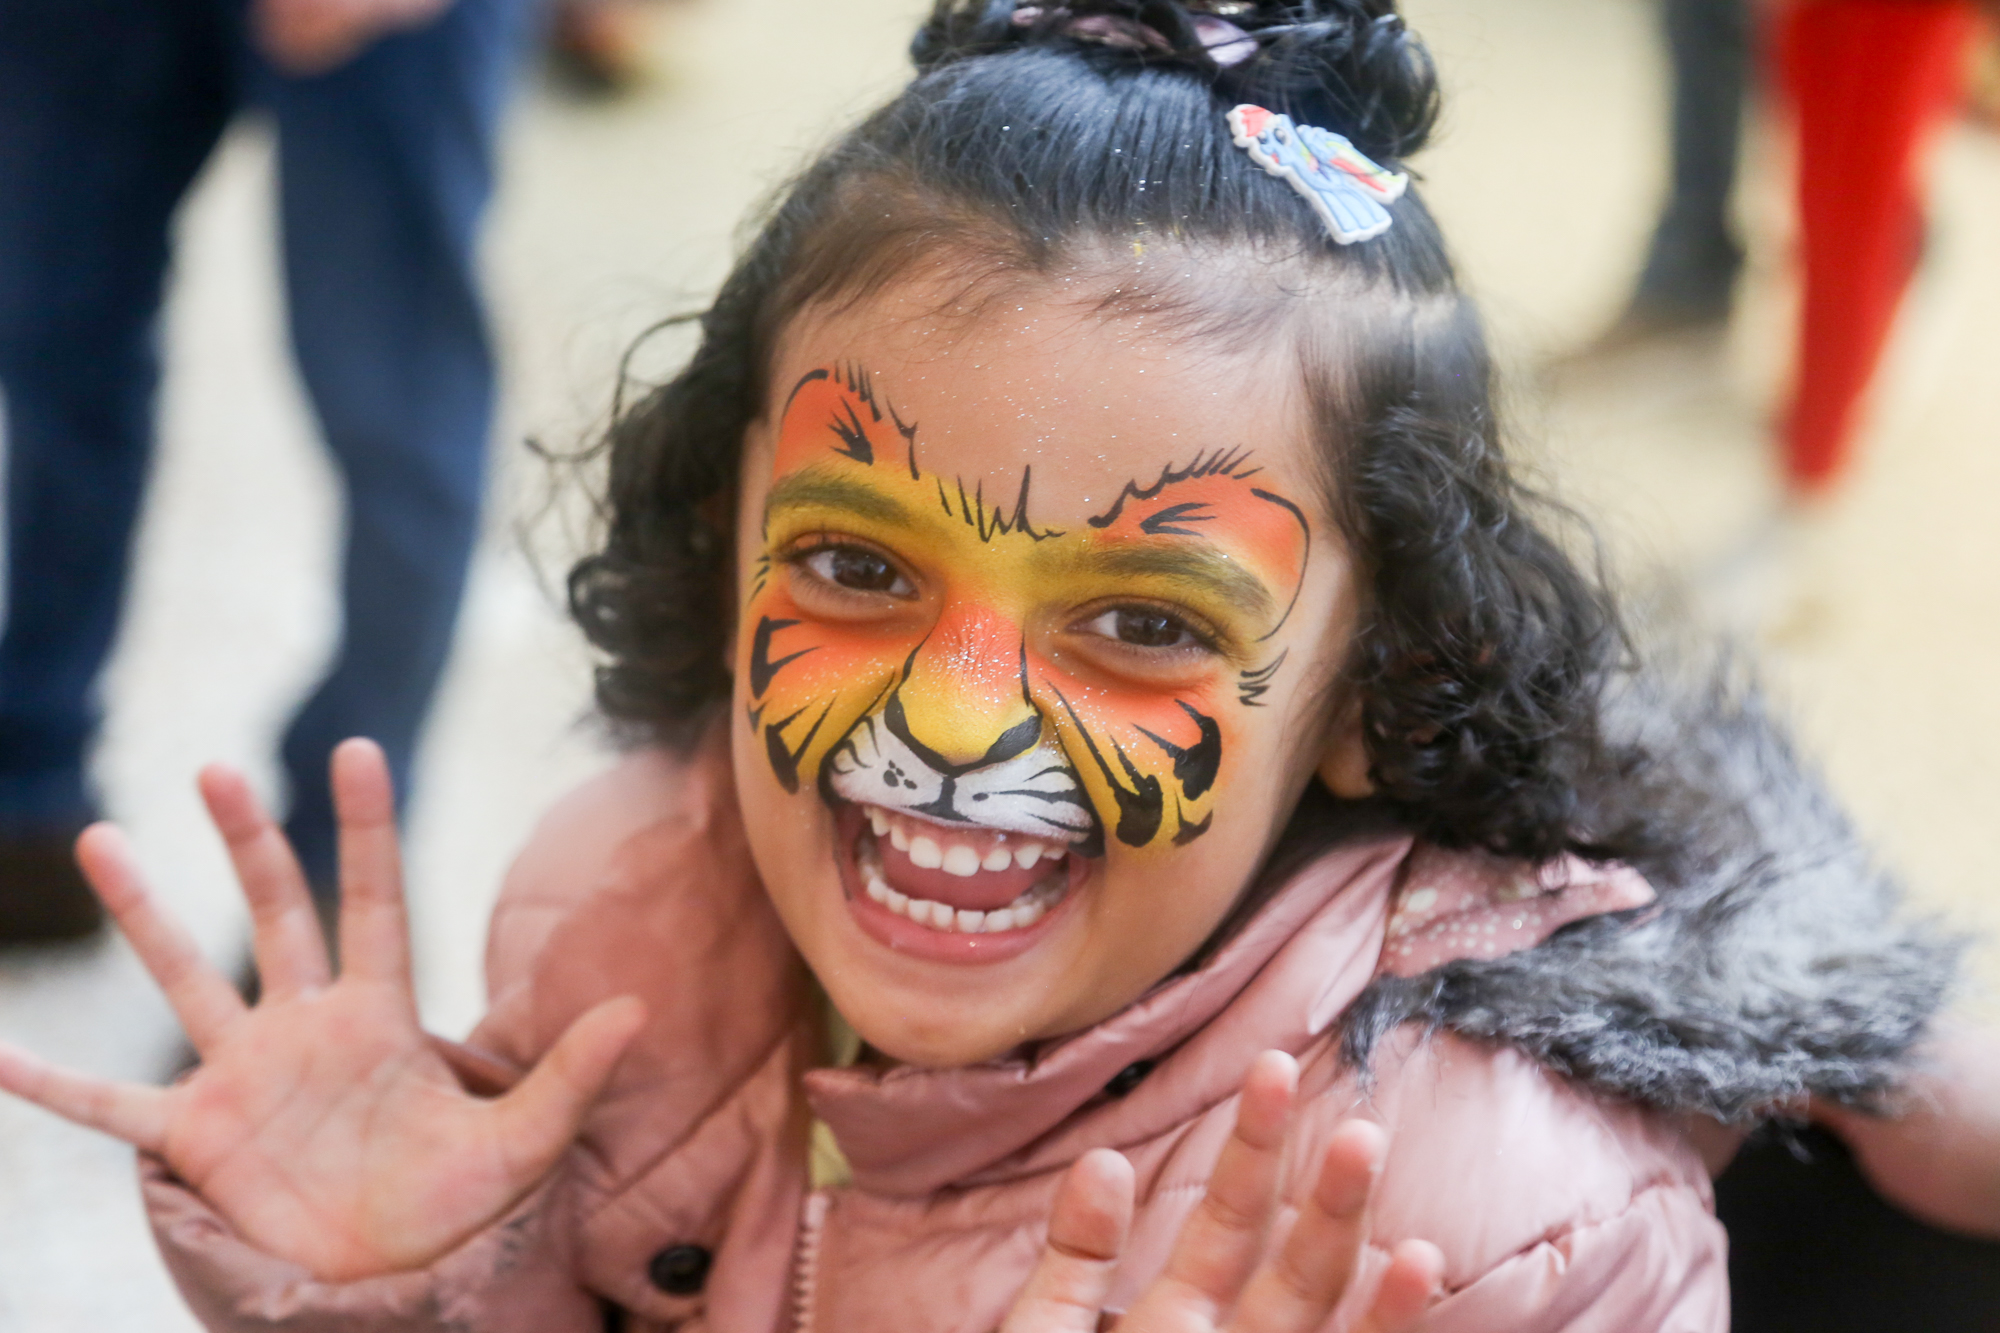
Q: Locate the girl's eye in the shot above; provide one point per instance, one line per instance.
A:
(858, 569)
(1144, 627)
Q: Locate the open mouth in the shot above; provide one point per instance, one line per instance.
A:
(959, 879)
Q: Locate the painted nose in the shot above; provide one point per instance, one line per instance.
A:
(963, 703)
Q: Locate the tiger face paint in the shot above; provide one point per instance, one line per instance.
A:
(959, 719)
(1025, 650)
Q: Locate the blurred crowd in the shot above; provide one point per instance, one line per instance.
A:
(386, 113)
(1864, 85)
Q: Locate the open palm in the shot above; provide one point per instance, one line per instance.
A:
(322, 1124)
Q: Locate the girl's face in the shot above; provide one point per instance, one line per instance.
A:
(1037, 607)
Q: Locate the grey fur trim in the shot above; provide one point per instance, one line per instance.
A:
(1776, 963)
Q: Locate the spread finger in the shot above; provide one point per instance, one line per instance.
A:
(206, 1003)
(291, 953)
(1298, 1287)
(1087, 1232)
(125, 1111)
(1222, 1240)
(1416, 1267)
(374, 925)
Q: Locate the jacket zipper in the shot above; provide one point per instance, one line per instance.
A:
(805, 1271)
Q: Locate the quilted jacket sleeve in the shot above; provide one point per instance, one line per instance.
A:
(1658, 1267)
(511, 1277)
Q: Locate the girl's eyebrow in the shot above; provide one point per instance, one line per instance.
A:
(1184, 563)
(817, 488)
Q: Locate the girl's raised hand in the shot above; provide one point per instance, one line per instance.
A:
(1234, 1267)
(321, 1124)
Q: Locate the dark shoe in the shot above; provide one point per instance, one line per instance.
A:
(597, 51)
(1688, 288)
(43, 896)
(1690, 273)
(1645, 333)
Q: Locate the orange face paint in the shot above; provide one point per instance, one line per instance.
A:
(953, 698)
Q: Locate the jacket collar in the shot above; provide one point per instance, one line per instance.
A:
(1279, 982)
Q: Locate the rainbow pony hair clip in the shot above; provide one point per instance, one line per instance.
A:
(1346, 189)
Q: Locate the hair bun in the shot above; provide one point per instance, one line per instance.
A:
(1351, 66)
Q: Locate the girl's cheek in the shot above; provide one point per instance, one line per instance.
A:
(1153, 761)
(806, 683)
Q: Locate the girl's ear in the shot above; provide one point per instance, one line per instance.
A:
(1344, 764)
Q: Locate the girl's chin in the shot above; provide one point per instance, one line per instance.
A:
(960, 931)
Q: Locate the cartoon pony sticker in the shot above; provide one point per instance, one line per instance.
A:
(1346, 189)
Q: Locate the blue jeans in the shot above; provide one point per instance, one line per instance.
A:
(107, 110)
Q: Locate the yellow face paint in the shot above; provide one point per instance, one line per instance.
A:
(891, 646)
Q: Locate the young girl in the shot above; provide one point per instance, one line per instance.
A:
(1077, 627)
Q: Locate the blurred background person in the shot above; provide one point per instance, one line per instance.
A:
(1866, 84)
(1688, 279)
(1869, 83)
(385, 114)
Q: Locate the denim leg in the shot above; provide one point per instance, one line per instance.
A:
(385, 168)
(107, 110)
(1695, 256)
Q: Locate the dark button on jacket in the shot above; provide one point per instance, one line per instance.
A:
(1128, 1078)
(680, 1270)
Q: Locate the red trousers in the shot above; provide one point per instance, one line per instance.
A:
(1868, 80)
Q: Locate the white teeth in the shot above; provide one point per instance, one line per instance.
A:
(963, 861)
(1023, 912)
(930, 853)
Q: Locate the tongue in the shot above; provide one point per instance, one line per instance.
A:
(987, 891)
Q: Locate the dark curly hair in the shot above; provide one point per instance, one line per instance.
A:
(1027, 140)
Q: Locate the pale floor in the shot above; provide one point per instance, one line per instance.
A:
(1876, 614)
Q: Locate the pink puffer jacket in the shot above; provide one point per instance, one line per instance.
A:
(686, 1205)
